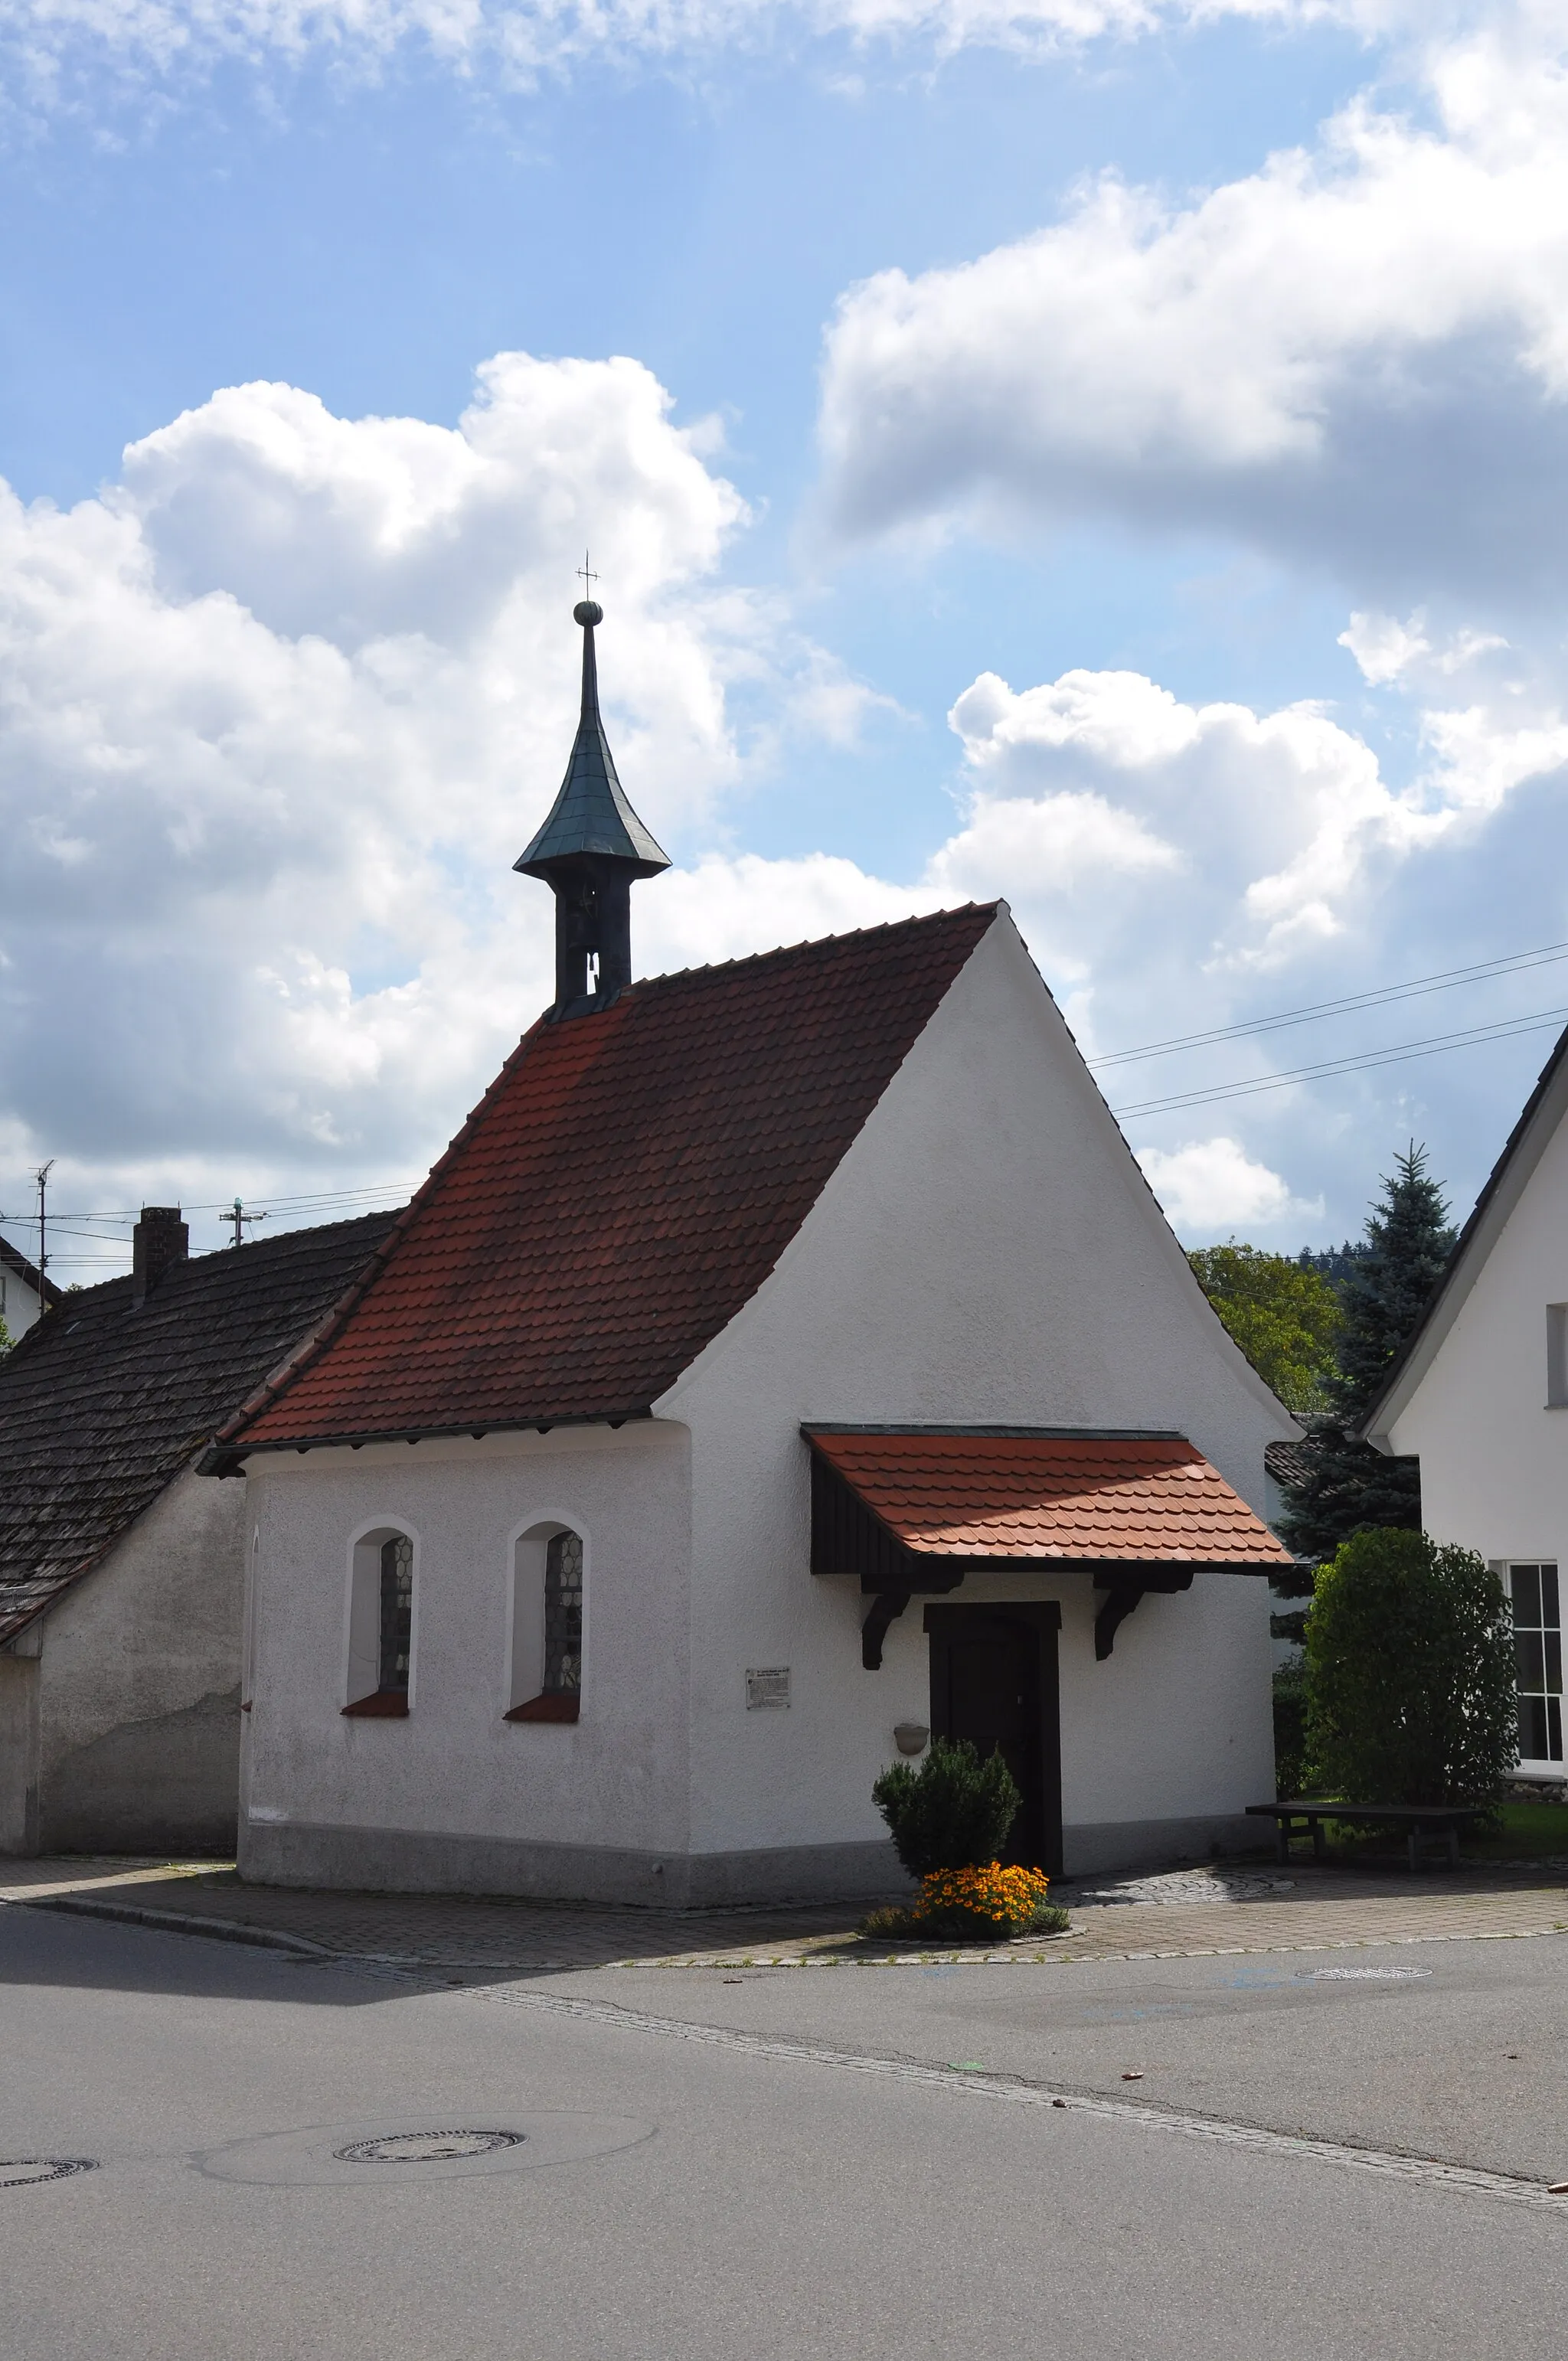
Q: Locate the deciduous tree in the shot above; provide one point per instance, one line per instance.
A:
(1286, 1317)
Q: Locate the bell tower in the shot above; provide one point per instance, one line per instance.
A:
(589, 850)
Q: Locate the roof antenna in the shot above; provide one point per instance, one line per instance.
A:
(241, 1220)
(41, 1177)
(589, 850)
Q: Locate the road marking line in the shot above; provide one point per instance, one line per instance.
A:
(1426, 2172)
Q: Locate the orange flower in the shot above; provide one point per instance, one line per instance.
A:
(1003, 1899)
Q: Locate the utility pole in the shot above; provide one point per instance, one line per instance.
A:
(41, 1177)
(240, 1219)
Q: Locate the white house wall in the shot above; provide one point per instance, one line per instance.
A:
(987, 1252)
(1493, 1457)
(456, 1797)
(18, 1304)
(133, 1692)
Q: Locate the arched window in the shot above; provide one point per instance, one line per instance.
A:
(547, 1625)
(381, 1624)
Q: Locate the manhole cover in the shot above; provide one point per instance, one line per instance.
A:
(1366, 1975)
(426, 2147)
(327, 2156)
(16, 2171)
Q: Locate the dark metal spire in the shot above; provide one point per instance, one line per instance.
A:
(590, 848)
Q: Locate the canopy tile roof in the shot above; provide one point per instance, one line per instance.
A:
(102, 1404)
(625, 1185)
(1042, 1498)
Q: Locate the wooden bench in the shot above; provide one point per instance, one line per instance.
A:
(1304, 1815)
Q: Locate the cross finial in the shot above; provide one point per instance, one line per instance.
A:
(586, 576)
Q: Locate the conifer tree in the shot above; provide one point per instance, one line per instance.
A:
(1348, 1485)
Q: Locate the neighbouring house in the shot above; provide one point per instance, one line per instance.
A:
(786, 1359)
(122, 1574)
(25, 1291)
(1480, 1396)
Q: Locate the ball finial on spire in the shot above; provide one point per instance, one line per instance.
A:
(587, 611)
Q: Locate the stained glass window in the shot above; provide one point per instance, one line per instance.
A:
(396, 1610)
(1538, 1649)
(563, 1615)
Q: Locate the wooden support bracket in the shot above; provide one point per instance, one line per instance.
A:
(885, 1608)
(1120, 1601)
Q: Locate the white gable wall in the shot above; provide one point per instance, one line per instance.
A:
(986, 1252)
(19, 1304)
(1493, 1457)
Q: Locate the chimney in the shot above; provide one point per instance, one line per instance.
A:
(159, 1240)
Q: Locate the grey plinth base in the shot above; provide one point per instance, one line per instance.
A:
(413, 1861)
(1096, 1847)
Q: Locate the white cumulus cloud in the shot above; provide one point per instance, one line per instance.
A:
(279, 709)
(280, 706)
(1210, 1187)
(1356, 353)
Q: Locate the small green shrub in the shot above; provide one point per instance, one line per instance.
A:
(1410, 1679)
(953, 1812)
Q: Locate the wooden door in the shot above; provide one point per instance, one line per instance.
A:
(993, 1681)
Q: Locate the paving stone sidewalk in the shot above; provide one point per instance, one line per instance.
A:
(1184, 1914)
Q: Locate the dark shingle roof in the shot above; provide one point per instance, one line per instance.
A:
(1288, 1462)
(101, 1405)
(625, 1185)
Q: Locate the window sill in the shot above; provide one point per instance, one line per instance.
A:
(381, 1705)
(550, 1707)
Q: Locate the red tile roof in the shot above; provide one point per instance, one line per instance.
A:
(627, 1182)
(1040, 1498)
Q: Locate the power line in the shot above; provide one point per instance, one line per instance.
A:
(1447, 980)
(1432, 1045)
(390, 1192)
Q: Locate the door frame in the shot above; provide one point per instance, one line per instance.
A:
(1041, 1619)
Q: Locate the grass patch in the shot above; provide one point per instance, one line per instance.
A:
(1521, 1832)
(1515, 1831)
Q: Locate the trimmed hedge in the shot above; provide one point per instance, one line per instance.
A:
(1410, 1676)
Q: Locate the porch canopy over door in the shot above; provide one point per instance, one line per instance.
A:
(912, 1509)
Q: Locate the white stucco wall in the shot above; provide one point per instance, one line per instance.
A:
(19, 1305)
(987, 1252)
(138, 1684)
(1493, 1457)
(455, 1777)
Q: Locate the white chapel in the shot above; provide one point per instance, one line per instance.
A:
(787, 1360)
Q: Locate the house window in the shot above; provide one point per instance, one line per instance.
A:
(381, 1624)
(1538, 1649)
(546, 1673)
(1557, 1357)
(563, 1615)
(396, 1617)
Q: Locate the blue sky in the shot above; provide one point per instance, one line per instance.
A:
(1015, 406)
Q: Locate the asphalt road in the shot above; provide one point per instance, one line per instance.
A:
(1454, 2050)
(640, 2194)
